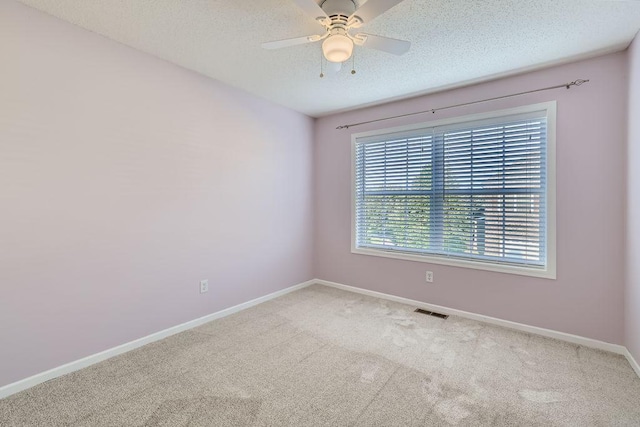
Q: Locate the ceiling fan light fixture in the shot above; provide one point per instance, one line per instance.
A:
(337, 48)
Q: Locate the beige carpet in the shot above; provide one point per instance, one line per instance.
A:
(321, 356)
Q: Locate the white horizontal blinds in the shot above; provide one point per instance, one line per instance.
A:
(494, 191)
(394, 193)
(470, 190)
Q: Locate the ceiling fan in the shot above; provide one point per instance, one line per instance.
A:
(339, 18)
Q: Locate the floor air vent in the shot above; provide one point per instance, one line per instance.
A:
(432, 313)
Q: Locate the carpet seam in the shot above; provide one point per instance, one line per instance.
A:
(374, 396)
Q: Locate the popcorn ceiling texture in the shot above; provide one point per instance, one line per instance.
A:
(453, 42)
(323, 356)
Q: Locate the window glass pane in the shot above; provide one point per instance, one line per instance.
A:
(393, 187)
(470, 191)
(395, 221)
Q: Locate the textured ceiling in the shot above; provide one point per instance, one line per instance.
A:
(453, 42)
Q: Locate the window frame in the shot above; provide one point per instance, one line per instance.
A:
(549, 271)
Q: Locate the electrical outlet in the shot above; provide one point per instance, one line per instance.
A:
(204, 286)
(429, 277)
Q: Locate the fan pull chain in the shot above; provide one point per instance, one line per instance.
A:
(321, 63)
(353, 62)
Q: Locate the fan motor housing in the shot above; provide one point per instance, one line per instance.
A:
(338, 7)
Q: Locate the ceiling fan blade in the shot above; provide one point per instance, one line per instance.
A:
(311, 8)
(374, 8)
(290, 42)
(395, 46)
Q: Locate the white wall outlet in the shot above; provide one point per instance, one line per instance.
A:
(429, 277)
(204, 286)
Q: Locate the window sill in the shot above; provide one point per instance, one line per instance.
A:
(548, 273)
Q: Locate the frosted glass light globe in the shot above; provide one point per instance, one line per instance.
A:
(337, 48)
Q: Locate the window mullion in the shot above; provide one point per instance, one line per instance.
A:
(504, 197)
(436, 242)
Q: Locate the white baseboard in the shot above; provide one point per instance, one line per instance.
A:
(34, 380)
(574, 339)
(634, 364)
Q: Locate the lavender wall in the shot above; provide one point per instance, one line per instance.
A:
(587, 297)
(124, 180)
(632, 291)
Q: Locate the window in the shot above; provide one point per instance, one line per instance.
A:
(474, 191)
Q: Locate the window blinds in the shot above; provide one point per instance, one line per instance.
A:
(474, 190)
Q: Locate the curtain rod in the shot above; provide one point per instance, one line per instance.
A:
(433, 110)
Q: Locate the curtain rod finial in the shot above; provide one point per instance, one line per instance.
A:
(576, 83)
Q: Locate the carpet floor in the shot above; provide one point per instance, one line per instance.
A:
(322, 356)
